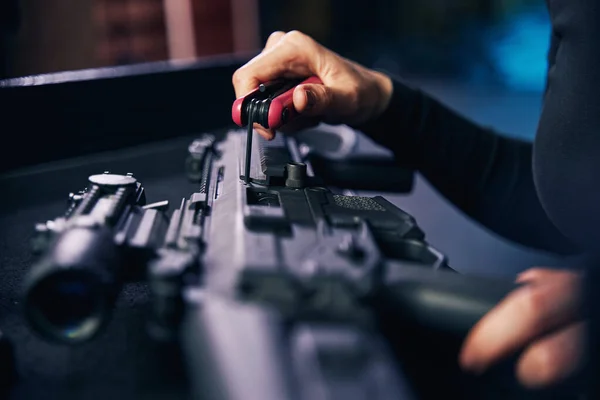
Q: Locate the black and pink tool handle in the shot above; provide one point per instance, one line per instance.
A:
(280, 107)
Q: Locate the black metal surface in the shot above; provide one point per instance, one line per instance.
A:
(123, 363)
(54, 116)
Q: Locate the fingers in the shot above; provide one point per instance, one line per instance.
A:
(350, 93)
(310, 101)
(524, 315)
(268, 134)
(297, 55)
(313, 100)
(553, 358)
(246, 87)
(333, 104)
(294, 126)
(537, 275)
(273, 39)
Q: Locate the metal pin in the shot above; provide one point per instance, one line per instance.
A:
(250, 131)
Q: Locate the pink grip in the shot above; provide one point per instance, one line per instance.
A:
(237, 108)
(282, 108)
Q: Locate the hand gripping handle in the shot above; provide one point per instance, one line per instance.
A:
(280, 100)
(282, 110)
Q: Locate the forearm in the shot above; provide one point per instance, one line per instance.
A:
(486, 175)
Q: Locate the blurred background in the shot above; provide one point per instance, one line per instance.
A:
(499, 44)
(495, 41)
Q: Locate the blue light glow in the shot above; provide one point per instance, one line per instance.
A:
(519, 50)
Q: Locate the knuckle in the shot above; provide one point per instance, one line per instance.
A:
(533, 302)
(294, 35)
(354, 87)
(535, 272)
(237, 77)
(276, 34)
(297, 37)
(354, 98)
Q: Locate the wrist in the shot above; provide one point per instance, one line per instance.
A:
(397, 106)
(384, 92)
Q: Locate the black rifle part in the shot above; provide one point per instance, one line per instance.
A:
(105, 237)
(279, 288)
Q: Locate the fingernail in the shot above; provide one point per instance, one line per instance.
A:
(311, 99)
(473, 368)
(470, 364)
(266, 133)
(524, 278)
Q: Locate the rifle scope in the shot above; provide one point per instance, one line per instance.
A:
(70, 290)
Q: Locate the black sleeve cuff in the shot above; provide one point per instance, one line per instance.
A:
(393, 128)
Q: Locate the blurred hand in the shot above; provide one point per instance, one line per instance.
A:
(541, 318)
(350, 94)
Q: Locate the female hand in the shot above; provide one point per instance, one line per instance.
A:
(350, 94)
(543, 318)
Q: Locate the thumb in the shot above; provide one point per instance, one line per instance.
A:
(313, 99)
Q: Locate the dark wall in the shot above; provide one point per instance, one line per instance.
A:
(9, 24)
(54, 116)
(54, 35)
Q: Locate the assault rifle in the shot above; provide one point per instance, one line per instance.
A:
(276, 286)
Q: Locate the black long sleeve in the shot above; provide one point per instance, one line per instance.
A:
(521, 190)
(566, 159)
(535, 194)
(486, 175)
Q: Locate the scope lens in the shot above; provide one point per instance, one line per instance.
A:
(67, 306)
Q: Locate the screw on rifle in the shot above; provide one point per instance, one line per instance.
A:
(76, 197)
(296, 175)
